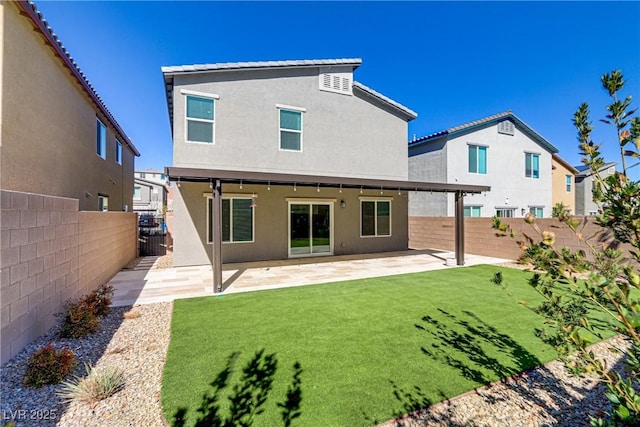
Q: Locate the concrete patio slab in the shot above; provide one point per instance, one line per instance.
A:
(146, 284)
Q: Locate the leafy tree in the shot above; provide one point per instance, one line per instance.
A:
(591, 290)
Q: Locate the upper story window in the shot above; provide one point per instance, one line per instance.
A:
(532, 165)
(473, 211)
(375, 218)
(505, 212)
(101, 139)
(568, 181)
(477, 159)
(143, 175)
(118, 152)
(290, 125)
(200, 119)
(137, 192)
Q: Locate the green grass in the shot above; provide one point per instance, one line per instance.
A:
(369, 349)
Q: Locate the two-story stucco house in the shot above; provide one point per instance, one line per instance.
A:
(500, 151)
(563, 177)
(149, 197)
(584, 187)
(57, 137)
(285, 159)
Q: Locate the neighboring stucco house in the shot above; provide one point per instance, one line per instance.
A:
(152, 175)
(292, 132)
(500, 151)
(563, 177)
(56, 136)
(149, 197)
(584, 187)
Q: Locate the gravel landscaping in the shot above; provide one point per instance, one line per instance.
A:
(542, 397)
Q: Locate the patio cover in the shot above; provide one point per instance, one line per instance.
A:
(217, 177)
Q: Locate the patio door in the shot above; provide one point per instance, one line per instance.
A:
(310, 229)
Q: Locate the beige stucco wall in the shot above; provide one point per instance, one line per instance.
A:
(48, 129)
(559, 187)
(50, 252)
(271, 222)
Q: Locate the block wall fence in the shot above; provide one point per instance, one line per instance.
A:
(51, 252)
(481, 239)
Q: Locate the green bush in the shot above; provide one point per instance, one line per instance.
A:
(49, 366)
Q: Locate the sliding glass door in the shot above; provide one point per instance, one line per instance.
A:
(310, 229)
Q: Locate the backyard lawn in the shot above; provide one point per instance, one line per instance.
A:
(369, 349)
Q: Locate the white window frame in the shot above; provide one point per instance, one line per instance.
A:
(282, 107)
(486, 158)
(568, 181)
(118, 152)
(213, 98)
(231, 197)
(104, 201)
(139, 192)
(375, 216)
(103, 141)
(513, 211)
(532, 211)
(471, 207)
(532, 170)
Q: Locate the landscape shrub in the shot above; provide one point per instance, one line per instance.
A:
(97, 385)
(82, 317)
(49, 366)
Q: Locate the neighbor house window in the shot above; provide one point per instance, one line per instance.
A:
(532, 165)
(137, 192)
(505, 212)
(536, 211)
(143, 175)
(118, 152)
(237, 219)
(103, 203)
(473, 211)
(290, 125)
(101, 139)
(375, 218)
(477, 159)
(568, 180)
(200, 119)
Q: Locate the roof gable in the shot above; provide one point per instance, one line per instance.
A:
(486, 122)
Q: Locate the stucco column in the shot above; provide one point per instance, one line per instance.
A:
(216, 227)
(459, 228)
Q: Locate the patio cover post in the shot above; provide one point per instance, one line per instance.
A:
(459, 228)
(216, 227)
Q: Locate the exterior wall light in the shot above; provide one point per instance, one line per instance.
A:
(343, 204)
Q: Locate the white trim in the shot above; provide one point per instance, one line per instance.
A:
(280, 129)
(196, 93)
(375, 216)
(370, 198)
(289, 107)
(213, 122)
(310, 202)
(118, 152)
(303, 200)
(103, 156)
(208, 220)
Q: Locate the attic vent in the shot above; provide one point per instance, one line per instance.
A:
(505, 127)
(338, 82)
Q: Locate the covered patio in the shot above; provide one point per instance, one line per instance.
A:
(147, 284)
(216, 178)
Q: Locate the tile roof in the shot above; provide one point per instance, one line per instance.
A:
(30, 10)
(487, 121)
(169, 71)
(564, 163)
(586, 170)
(227, 66)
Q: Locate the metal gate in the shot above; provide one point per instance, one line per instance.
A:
(152, 235)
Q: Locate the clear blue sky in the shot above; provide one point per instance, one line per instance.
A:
(451, 62)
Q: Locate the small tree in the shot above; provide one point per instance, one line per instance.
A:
(589, 290)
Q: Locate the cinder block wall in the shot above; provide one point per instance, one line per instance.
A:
(51, 252)
(481, 239)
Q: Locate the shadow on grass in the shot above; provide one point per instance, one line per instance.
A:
(248, 396)
(470, 345)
